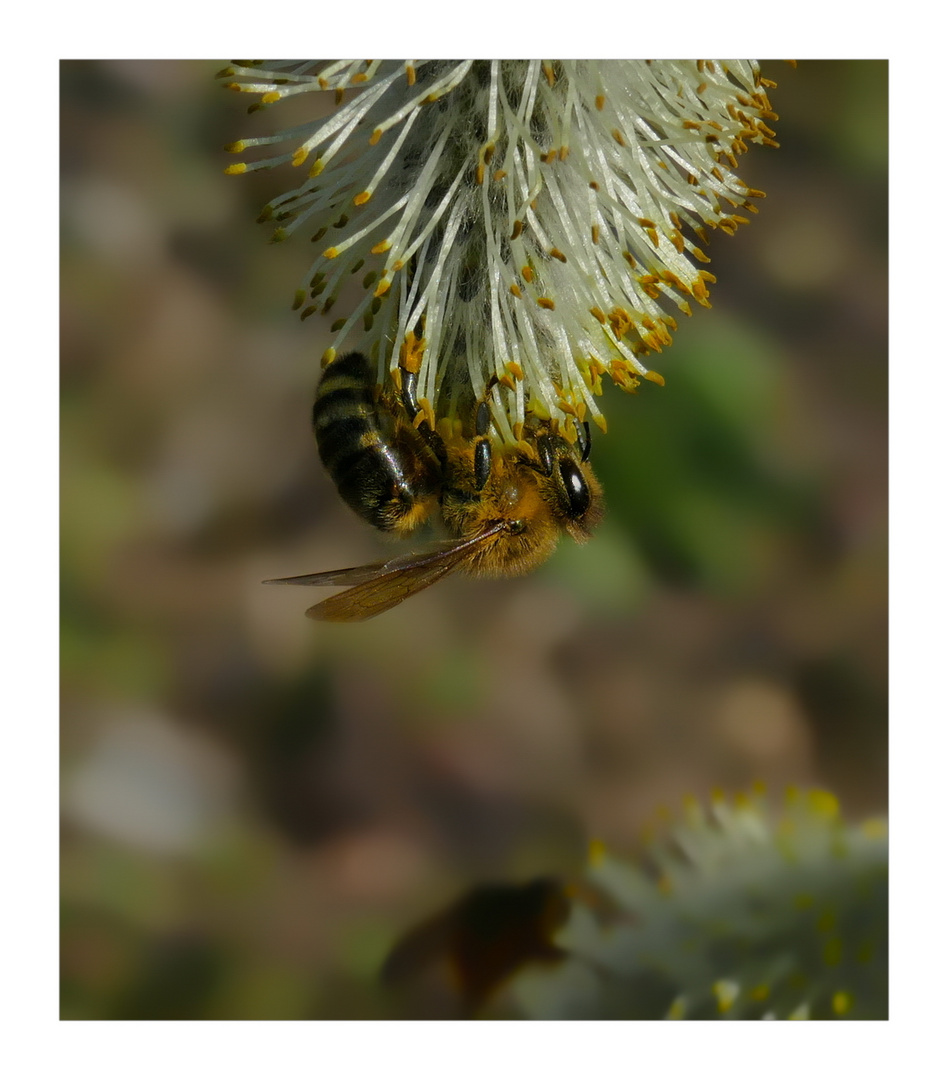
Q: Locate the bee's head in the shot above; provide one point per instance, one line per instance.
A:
(570, 488)
(535, 497)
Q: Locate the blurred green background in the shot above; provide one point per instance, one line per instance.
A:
(256, 806)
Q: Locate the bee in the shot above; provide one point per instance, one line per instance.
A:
(469, 951)
(505, 508)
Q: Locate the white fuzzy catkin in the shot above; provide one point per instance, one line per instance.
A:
(520, 228)
(732, 912)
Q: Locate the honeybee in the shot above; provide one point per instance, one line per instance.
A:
(469, 951)
(504, 510)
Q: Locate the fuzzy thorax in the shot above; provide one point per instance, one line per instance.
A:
(534, 506)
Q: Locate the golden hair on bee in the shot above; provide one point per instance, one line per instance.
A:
(505, 507)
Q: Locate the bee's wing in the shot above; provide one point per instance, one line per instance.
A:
(380, 586)
(353, 575)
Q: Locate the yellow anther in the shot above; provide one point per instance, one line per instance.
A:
(823, 804)
(330, 253)
(600, 102)
(620, 321)
(596, 853)
(842, 1002)
(875, 828)
(653, 376)
(300, 156)
(426, 411)
(381, 247)
(546, 302)
(623, 377)
(270, 97)
(411, 353)
(236, 169)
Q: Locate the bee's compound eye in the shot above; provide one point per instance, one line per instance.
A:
(577, 490)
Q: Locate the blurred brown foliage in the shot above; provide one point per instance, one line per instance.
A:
(255, 806)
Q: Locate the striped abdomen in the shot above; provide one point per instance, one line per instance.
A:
(382, 467)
